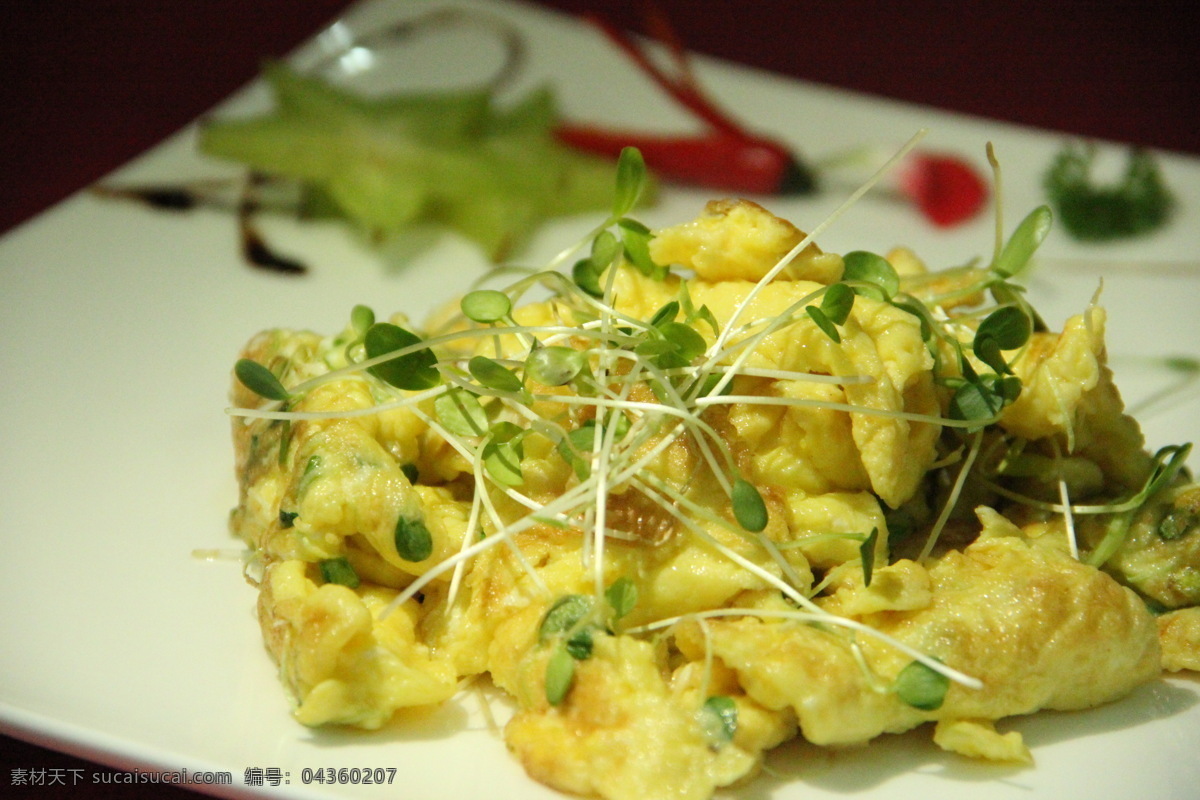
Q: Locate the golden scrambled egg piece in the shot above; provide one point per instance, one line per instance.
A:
(741, 240)
(406, 545)
(1179, 634)
(1039, 630)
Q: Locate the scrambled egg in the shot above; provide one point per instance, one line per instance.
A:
(854, 458)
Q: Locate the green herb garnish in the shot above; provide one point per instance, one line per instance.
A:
(921, 686)
(338, 570)
(1139, 202)
(413, 540)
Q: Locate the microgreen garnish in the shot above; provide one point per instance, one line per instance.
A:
(631, 180)
(494, 375)
(612, 390)
(413, 540)
(555, 365)
(260, 380)
(461, 413)
(361, 319)
(415, 369)
(1006, 328)
(873, 270)
(748, 507)
(719, 720)
(486, 305)
(1168, 462)
(622, 596)
(922, 687)
(338, 570)
(1014, 257)
(502, 460)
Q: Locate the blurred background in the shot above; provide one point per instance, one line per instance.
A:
(89, 84)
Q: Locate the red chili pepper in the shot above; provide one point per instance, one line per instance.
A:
(728, 157)
(947, 190)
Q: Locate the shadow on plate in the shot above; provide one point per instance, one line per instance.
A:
(854, 770)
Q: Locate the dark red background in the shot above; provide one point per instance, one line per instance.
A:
(84, 86)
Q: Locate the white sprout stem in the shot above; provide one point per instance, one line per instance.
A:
(1064, 495)
(482, 492)
(789, 572)
(808, 239)
(468, 536)
(739, 559)
(958, 677)
(470, 455)
(563, 504)
(952, 500)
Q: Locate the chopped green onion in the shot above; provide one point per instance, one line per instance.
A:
(413, 540)
(719, 719)
(921, 686)
(338, 570)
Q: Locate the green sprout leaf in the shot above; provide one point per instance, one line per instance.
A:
(560, 674)
(413, 540)
(486, 306)
(586, 275)
(555, 365)
(622, 596)
(1026, 239)
(260, 380)
(719, 719)
(565, 619)
(686, 344)
(338, 570)
(563, 616)
(461, 413)
(705, 314)
(635, 237)
(748, 507)
(824, 323)
(667, 313)
(873, 269)
(605, 250)
(502, 460)
(975, 401)
(921, 686)
(837, 303)
(494, 375)
(1010, 326)
(631, 180)
(414, 370)
(361, 320)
